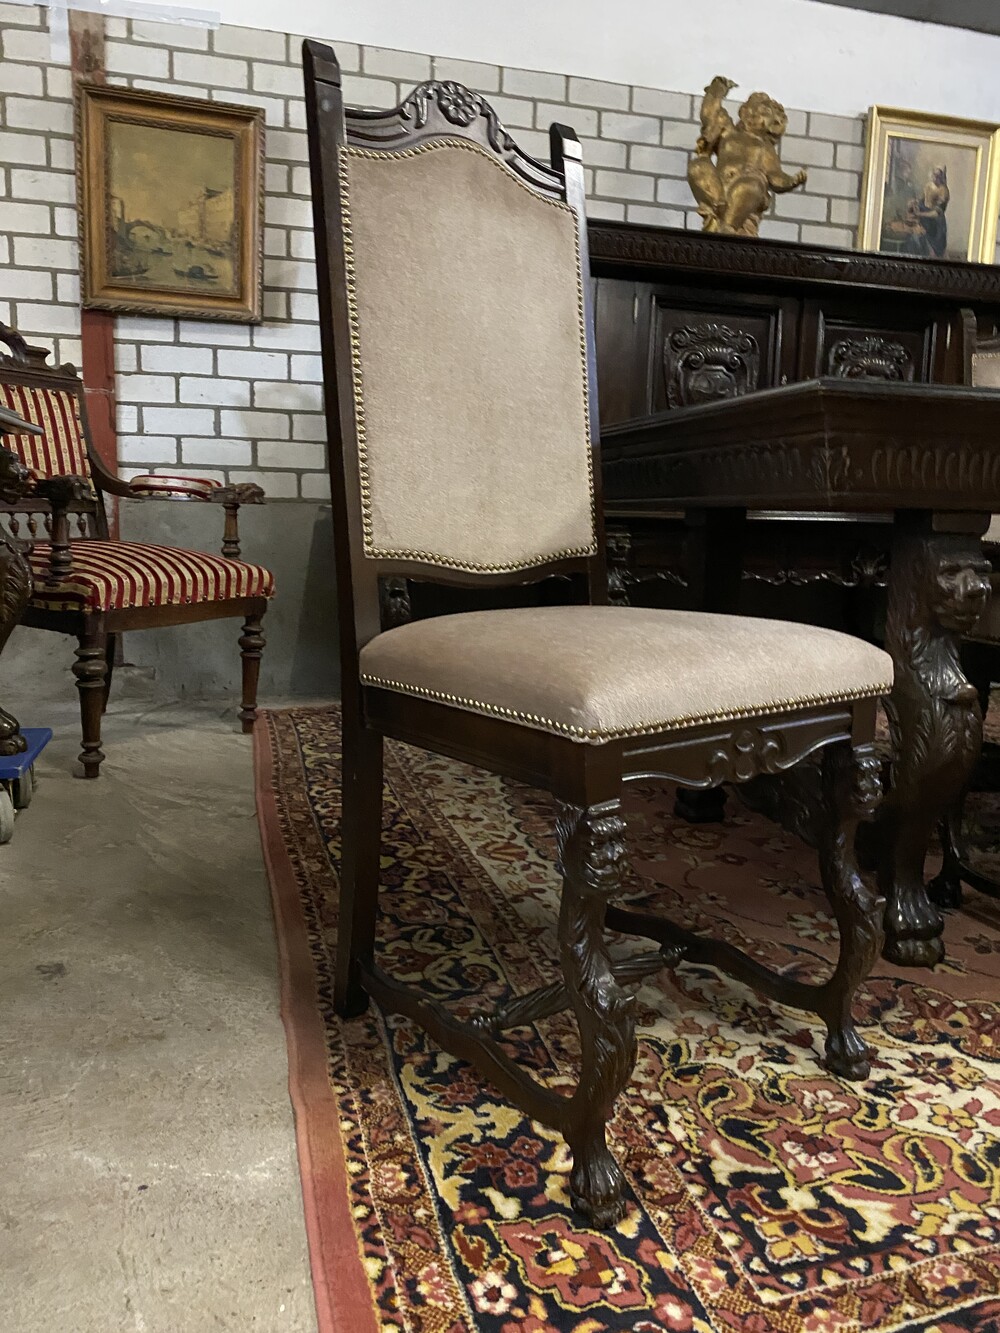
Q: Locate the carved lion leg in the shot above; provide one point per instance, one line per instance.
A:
(938, 586)
(851, 789)
(592, 854)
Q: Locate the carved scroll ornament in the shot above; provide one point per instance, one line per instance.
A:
(870, 358)
(704, 362)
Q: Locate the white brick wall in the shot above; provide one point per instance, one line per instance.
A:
(246, 403)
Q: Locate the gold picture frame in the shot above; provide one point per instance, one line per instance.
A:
(171, 203)
(931, 186)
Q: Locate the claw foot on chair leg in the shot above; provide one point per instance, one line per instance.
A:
(597, 1185)
(847, 1055)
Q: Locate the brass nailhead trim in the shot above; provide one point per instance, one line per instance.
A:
(426, 557)
(622, 733)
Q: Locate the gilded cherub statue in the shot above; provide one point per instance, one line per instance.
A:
(735, 190)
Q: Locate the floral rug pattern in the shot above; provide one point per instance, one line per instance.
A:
(767, 1195)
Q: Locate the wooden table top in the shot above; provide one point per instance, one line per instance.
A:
(824, 444)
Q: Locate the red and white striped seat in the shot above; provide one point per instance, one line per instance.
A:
(109, 576)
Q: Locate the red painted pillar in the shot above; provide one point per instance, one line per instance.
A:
(98, 327)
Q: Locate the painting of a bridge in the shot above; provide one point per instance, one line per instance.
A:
(171, 204)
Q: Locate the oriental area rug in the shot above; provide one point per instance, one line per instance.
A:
(766, 1196)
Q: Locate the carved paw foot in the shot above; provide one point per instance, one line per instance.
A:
(945, 890)
(905, 951)
(847, 1055)
(597, 1188)
(913, 928)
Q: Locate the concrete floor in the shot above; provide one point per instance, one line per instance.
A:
(149, 1178)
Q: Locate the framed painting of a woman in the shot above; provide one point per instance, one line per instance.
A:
(931, 186)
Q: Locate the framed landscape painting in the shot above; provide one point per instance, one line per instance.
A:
(931, 186)
(171, 204)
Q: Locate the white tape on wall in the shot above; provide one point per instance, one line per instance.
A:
(122, 9)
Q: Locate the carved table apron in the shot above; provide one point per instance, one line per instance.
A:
(926, 455)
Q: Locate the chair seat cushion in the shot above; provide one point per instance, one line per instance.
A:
(110, 576)
(595, 673)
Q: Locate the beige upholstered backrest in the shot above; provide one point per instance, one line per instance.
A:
(986, 375)
(469, 360)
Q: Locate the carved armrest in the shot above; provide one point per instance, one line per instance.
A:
(166, 486)
(61, 493)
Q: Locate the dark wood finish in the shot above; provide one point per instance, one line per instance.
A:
(811, 311)
(981, 663)
(586, 780)
(928, 454)
(841, 446)
(15, 574)
(67, 509)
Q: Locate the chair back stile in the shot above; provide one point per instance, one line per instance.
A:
(52, 398)
(462, 429)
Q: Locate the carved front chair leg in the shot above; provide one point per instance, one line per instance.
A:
(592, 852)
(592, 855)
(851, 788)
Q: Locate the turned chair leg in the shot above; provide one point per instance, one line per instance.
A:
(592, 859)
(361, 839)
(252, 643)
(90, 670)
(852, 787)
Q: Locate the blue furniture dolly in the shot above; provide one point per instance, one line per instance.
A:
(17, 778)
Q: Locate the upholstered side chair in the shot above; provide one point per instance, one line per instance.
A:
(91, 586)
(459, 378)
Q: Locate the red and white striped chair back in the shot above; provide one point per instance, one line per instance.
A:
(62, 448)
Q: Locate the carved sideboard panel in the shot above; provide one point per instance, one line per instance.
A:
(705, 361)
(702, 346)
(810, 312)
(869, 358)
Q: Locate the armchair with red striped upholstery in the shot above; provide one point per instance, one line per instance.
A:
(92, 586)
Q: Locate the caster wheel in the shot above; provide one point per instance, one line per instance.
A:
(6, 816)
(22, 789)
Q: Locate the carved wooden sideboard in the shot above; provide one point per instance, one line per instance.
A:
(683, 318)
